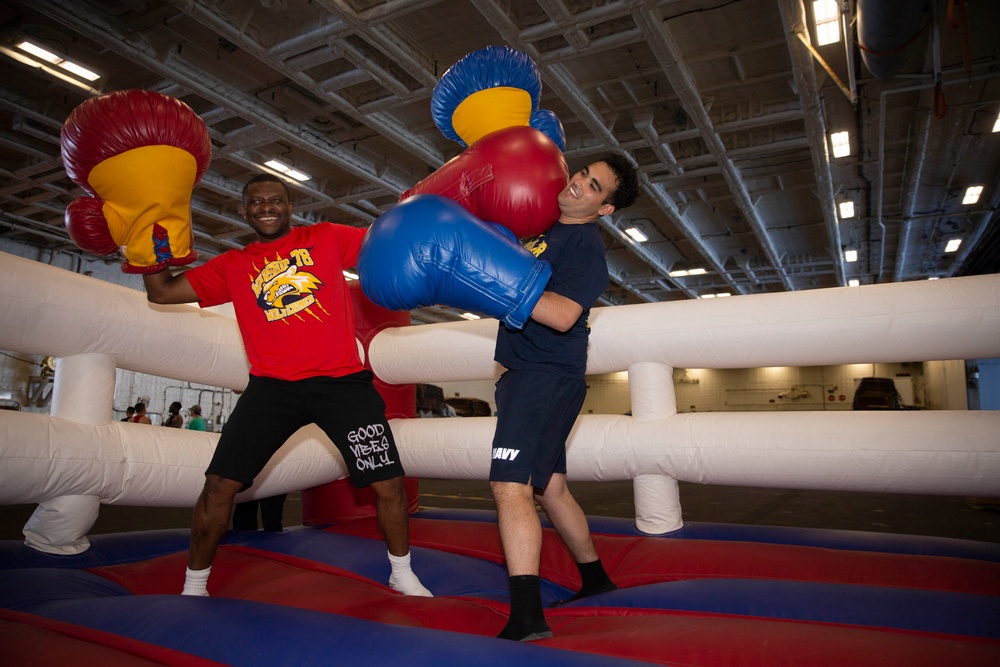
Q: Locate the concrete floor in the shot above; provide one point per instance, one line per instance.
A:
(940, 516)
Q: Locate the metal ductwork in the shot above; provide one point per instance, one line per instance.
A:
(886, 31)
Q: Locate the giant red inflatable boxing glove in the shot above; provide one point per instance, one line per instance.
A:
(138, 154)
(511, 176)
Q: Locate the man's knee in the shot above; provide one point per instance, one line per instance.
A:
(218, 490)
(390, 489)
(503, 491)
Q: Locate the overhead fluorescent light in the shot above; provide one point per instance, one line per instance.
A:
(291, 172)
(719, 295)
(55, 59)
(680, 273)
(350, 275)
(952, 245)
(972, 194)
(53, 71)
(636, 235)
(298, 175)
(80, 71)
(39, 52)
(826, 14)
(853, 282)
(846, 209)
(470, 316)
(850, 255)
(841, 143)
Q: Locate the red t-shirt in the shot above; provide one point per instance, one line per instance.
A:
(291, 300)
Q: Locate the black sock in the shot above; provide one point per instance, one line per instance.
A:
(527, 620)
(595, 580)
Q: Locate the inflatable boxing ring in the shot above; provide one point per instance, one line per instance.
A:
(692, 594)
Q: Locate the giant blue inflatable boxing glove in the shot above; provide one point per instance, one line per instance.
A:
(429, 250)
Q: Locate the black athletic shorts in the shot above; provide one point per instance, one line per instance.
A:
(535, 414)
(348, 409)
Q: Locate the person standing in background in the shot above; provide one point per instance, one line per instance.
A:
(196, 422)
(174, 419)
(140, 415)
(271, 514)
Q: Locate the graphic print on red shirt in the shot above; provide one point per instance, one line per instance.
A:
(285, 286)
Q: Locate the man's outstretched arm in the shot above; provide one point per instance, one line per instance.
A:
(164, 287)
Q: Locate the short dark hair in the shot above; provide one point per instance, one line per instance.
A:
(628, 181)
(265, 178)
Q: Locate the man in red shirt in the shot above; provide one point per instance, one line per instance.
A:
(296, 318)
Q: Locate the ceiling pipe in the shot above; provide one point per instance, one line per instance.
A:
(911, 188)
(886, 30)
(29, 226)
(793, 21)
(847, 31)
(880, 186)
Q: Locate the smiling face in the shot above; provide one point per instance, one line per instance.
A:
(583, 199)
(266, 209)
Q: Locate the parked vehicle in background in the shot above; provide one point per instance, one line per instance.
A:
(877, 394)
(470, 407)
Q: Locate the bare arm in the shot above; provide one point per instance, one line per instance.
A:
(163, 287)
(556, 311)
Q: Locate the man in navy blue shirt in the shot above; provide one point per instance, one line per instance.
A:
(541, 393)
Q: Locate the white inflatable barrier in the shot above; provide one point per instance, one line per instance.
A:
(76, 459)
(929, 320)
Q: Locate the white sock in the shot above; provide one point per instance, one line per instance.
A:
(403, 579)
(196, 582)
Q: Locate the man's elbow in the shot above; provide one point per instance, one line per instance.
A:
(165, 297)
(564, 324)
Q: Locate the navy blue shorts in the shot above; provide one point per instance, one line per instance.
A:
(535, 414)
(348, 409)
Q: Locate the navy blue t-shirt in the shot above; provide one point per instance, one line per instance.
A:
(580, 273)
